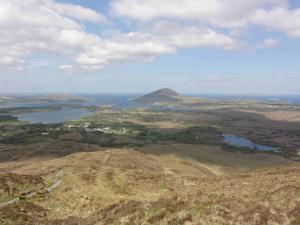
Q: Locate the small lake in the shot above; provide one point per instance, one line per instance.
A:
(57, 116)
(244, 142)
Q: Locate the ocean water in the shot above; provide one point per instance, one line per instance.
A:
(118, 101)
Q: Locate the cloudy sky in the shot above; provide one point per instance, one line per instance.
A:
(135, 46)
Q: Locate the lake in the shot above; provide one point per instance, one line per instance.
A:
(117, 101)
(68, 113)
(57, 116)
(234, 140)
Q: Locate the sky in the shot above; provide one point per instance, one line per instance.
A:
(249, 47)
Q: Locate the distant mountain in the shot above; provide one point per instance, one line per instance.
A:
(5, 99)
(160, 96)
(58, 97)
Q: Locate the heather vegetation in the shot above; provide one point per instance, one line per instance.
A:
(149, 166)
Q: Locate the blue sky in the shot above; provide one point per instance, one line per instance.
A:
(249, 47)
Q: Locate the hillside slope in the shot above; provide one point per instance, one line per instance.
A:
(119, 186)
(162, 95)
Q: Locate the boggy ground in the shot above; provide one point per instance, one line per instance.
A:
(120, 186)
(150, 167)
(20, 141)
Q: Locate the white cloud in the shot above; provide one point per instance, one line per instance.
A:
(203, 37)
(77, 12)
(67, 69)
(148, 43)
(57, 29)
(268, 43)
(45, 26)
(280, 19)
(182, 36)
(130, 46)
(229, 13)
(10, 61)
(29, 26)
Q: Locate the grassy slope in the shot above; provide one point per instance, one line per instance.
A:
(129, 187)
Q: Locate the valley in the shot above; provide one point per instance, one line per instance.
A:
(161, 164)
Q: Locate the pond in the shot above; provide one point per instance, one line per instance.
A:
(234, 140)
(57, 116)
